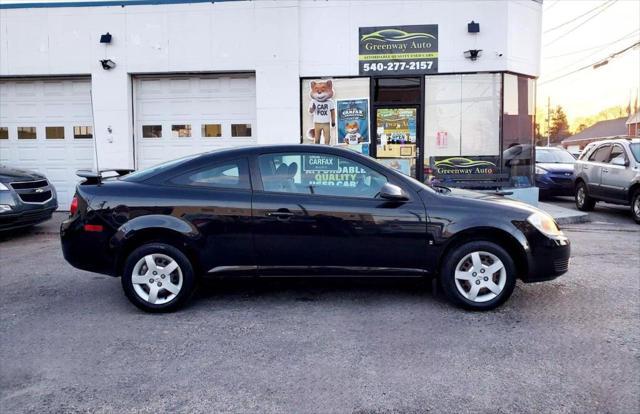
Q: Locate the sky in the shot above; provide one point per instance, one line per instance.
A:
(611, 27)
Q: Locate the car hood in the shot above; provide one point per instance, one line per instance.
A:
(556, 167)
(498, 201)
(13, 174)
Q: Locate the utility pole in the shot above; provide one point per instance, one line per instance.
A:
(548, 120)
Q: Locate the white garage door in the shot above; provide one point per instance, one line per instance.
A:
(45, 126)
(180, 115)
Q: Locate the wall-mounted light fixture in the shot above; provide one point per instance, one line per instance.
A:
(108, 64)
(105, 38)
(472, 54)
(473, 27)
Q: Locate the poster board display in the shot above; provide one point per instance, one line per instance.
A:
(353, 121)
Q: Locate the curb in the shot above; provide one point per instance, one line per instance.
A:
(574, 219)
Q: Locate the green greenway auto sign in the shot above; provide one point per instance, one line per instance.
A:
(393, 50)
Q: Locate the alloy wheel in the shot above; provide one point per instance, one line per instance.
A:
(157, 278)
(480, 276)
(580, 196)
(636, 206)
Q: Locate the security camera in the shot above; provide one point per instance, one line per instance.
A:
(108, 64)
(472, 54)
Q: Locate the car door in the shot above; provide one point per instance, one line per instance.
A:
(616, 175)
(592, 169)
(215, 198)
(317, 213)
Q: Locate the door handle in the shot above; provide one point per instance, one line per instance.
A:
(282, 214)
(604, 170)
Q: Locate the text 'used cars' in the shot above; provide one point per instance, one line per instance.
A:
(302, 211)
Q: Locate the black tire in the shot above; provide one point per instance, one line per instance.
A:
(184, 267)
(456, 255)
(583, 201)
(635, 206)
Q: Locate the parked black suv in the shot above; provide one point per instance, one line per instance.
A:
(26, 198)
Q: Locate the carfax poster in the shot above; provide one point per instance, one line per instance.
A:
(353, 121)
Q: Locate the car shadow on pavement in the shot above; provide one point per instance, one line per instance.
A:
(312, 289)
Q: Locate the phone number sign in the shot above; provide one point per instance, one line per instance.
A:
(398, 50)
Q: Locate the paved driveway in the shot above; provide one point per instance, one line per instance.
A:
(71, 342)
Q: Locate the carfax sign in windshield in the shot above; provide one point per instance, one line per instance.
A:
(393, 50)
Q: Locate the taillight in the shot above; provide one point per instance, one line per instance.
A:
(73, 209)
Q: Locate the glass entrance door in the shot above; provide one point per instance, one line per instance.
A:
(396, 129)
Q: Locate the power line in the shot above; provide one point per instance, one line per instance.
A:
(552, 5)
(579, 61)
(594, 65)
(630, 34)
(582, 23)
(575, 18)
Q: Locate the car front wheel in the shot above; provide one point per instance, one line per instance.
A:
(478, 275)
(583, 201)
(158, 278)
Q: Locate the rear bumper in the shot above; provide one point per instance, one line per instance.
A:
(86, 250)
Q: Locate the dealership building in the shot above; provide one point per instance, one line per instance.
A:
(432, 88)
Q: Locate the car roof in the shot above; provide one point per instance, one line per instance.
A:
(550, 148)
(257, 149)
(617, 141)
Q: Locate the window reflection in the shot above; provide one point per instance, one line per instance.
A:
(27, 133)
(518, 129)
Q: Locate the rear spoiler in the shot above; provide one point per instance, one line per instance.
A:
(94, 177)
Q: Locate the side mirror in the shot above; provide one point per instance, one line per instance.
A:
(392, 193)
(620, 161)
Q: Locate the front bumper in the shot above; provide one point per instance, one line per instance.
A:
(557, 184)
(549, 262)
(28, 216)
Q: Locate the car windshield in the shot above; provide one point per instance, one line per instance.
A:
(156, 169)
(554, 157)
(635, 150)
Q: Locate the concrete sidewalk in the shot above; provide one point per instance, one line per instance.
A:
(564, 215)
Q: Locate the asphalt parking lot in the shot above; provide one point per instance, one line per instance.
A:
(71, 342)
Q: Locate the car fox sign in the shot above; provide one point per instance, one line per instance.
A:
(406, 50)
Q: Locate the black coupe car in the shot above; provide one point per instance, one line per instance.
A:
(302, 210)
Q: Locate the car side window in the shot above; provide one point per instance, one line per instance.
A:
(226, 174)
(601, 154)
(617, 153)
(318, 174)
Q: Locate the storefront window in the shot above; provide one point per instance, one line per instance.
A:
(336, 112)
(517, 129)
(462, 124)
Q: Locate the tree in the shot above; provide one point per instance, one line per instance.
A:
(559, 126)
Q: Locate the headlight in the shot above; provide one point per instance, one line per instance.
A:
(540, 171)
(3, 187)
(545, 223)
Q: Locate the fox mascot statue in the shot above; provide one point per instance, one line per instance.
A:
(323, 109)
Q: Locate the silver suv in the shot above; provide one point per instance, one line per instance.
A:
(609, 171)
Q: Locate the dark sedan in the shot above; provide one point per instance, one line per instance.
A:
(302, 210)
(26, 198)
(554, 171)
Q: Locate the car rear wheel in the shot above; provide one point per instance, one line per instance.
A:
(635, 206)
(478, 275)
(583, 201)
(158, 278)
